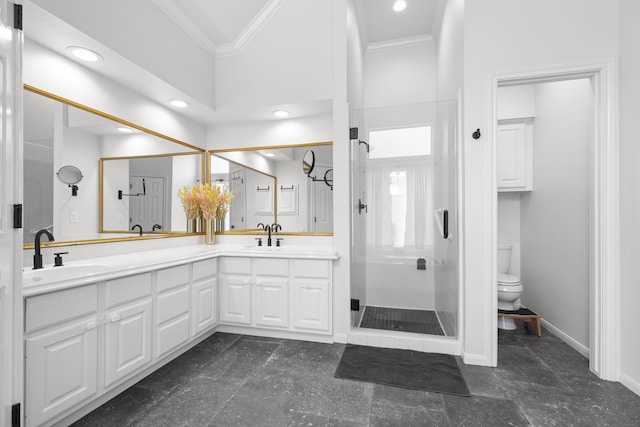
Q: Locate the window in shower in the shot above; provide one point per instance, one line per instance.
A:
(400, 179)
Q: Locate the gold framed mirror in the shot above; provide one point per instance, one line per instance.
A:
(297, 199)
(60, 132)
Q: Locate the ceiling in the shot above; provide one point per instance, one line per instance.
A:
(216, 28)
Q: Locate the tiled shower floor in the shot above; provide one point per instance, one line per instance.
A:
(402, 320)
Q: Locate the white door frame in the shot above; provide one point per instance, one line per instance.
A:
(604, 286)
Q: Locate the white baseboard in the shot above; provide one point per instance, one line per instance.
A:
(580, 348)
(476, 359)
(630, 383)
(340, 338)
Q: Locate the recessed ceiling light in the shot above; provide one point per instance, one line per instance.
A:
(399, 5)
(280, 113)
(269, 154)
(178, 103)
(84, 54)
(125, 130)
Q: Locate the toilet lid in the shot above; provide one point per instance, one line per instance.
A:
(508, 279)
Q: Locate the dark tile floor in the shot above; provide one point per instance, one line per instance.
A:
(233, 380)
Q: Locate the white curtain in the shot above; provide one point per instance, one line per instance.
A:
(400, 202)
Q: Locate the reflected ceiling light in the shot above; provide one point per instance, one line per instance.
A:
(280, 113)
(179, 103)
(125, 130)
(269, 154)
(84, 54)
(399, 5)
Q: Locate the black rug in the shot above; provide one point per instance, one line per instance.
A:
(401, 319)
(403, 368)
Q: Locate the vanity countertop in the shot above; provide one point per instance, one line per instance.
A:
(78, 273)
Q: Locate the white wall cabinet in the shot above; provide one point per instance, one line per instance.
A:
(514, 156)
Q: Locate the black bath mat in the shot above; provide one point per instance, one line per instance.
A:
(401, 319)
(403, 368)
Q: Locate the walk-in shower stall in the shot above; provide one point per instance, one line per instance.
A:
(404, 219)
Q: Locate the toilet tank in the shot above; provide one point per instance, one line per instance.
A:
(504, 257)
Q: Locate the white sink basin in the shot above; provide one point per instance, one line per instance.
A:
(65, 272)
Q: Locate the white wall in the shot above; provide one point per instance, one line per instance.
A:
(400, 76)
(630, 200)
(509, 226)
(292, 50)
(555, 215)
(277, 132)
(502, 36)
(449, 35)
(56, 74)
(186, 170)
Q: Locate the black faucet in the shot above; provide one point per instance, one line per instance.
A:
(267, 229)
(37, 257)
(156, 226)
(139, 226)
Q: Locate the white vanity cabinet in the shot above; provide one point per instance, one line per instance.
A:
(235, 290)
(61, 350)
(311, 295)
(270, 292)
(204, 296)
(173, 319)
(276, 293)
(128, 321)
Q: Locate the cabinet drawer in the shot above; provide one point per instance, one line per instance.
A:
(128, 289)
(311, 268)
(235, 265)
(173, 277)
(172, 304)
(50, 309)
(205, 268)
(271, 267)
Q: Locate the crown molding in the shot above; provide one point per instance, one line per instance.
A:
(173, 11)
(399, 43)
(255, 26)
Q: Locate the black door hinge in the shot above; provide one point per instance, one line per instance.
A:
(17, 216)
(355, 304)
(353, 133)
(15, 415)
(17, 16)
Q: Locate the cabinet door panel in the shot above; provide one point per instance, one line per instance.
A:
(271, 302)
(172, 335)
(511, 153)
(311, 305)
(203, 305)
(61, 370)
(235, 300)
(128, 340)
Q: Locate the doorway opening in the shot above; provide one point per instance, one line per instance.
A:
(577, 200)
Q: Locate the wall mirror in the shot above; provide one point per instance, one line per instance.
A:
(60, 133)
(270, 186)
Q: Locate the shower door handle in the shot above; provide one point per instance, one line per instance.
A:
(445, 224)
(361, 206)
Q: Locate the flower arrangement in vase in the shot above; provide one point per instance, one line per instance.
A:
(207, 202)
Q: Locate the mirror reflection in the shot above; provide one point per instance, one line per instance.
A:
(269, 186)
(59, 134)
(141, 193)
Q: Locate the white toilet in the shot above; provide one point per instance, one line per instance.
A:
(509, 287)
